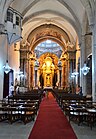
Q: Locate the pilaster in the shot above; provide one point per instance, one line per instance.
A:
(38, 75)
(82, 60)
(58, 78)
(94, 63)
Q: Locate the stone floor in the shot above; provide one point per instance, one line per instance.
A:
(84, 132)
(20, 131)
(16, 130)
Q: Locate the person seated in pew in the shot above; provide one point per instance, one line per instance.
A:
(11, 90)
(17, 90)
(80, 91)
(70, 89)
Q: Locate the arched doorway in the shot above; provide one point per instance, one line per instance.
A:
(8, 79)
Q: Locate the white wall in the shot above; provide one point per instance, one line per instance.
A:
(14, 59)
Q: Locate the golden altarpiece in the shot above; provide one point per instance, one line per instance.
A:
(48, 68)
(47, 71)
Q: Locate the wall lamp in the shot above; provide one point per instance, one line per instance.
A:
(74, 74)
(85, 69)
(6, 67)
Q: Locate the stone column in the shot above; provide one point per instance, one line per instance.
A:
(38, 74)
(58, 76)
(67, 72)
(94, 63)
(35, 76)
(60, 71)
(30, 79)
(32, 75)
(63, 73)
(28, 72)
(82, 60)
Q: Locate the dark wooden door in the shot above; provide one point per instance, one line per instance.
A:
(6, 85)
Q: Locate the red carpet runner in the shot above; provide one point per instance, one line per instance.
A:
(51, 122)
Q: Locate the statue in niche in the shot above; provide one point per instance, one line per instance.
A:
(48, 71)
(48, 80)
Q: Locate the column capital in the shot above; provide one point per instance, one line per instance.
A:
(82, 37)
(1, 27)
(92, 27)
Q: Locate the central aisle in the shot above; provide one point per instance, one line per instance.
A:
(51, 123)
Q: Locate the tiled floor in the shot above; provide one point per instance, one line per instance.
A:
(84, 132)
(20, 131)
(16, 130)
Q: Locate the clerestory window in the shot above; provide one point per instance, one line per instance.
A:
(10, 16)
(17, 20)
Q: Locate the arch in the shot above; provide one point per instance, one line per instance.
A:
(45, 32)
(75, 26)
(45, 38)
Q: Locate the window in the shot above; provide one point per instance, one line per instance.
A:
(10, 16)
(17, 20)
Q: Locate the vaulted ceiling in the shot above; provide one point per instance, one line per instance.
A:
(50, 19)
